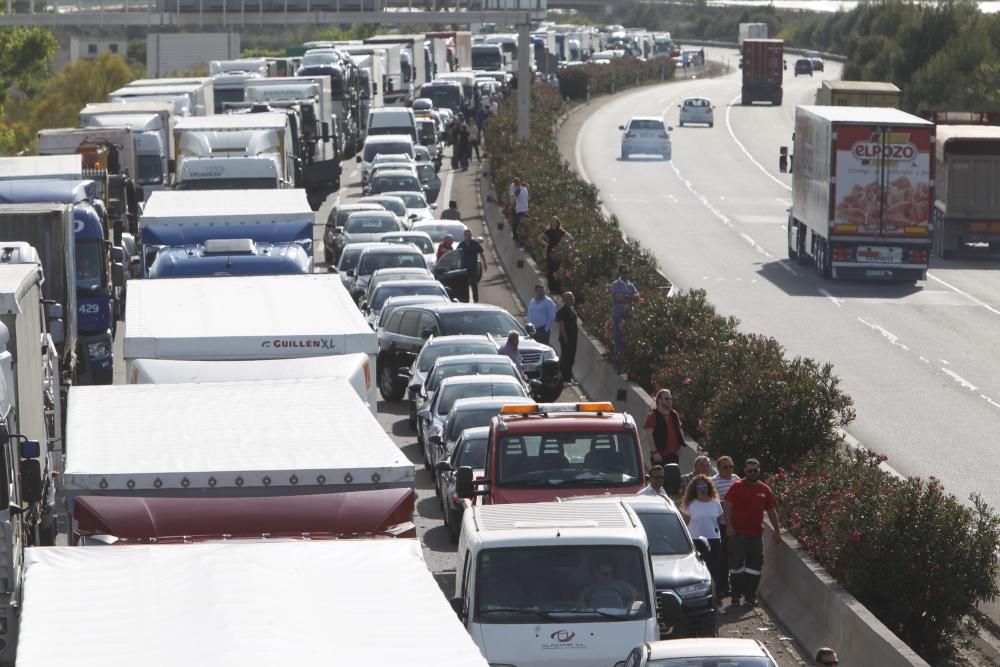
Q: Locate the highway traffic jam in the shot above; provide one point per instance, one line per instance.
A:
(235, 500)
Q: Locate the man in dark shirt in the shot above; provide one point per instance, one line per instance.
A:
(452, 212)
(473, 258)
(566, 318)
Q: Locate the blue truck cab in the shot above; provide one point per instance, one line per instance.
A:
(230, 257)
(99, 287)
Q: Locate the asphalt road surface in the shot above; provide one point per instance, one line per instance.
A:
(916, 358)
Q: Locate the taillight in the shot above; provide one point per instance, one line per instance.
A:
(841, 254)
(918, 257)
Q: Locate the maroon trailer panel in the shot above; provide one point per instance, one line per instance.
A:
(143, 519)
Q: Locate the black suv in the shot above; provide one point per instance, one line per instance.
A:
(403, 335)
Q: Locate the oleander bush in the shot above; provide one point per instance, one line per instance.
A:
(915, 556)
(620, 73)
(912, 554)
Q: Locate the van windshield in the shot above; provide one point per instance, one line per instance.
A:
(445, 96)
(568, 460)
(596, 584)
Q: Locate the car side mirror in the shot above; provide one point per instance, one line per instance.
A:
(413, 388)
(434, 206)
(464, 486)
(57, 329)
(426, 333)
(621, 127)
(350, 273)
(435, 440)
(702, 547)
(358, 159)
(117, 274)
(31, 481)
(443, 466)
(530, 328)
(669, 128)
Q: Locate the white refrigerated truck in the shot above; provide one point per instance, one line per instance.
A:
(354, 368)
(152, 126)
(251, 603)
(252, 317)
(227, 439)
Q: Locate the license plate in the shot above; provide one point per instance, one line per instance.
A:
(879, 254)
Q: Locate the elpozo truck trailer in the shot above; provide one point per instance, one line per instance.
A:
(260, 317)
(308, 602)
(862, 192)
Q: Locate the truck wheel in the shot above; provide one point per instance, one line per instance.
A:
(387, 384)
(824, 263)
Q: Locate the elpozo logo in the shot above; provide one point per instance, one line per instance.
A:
(896, 147)
(563, 636)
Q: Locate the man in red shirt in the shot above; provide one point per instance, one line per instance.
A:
(663, 430)
(745, 504)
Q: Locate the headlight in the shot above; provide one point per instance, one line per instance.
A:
(549, 354)
(698, 590)
(99, 350)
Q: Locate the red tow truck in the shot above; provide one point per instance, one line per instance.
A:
(543, 451)
(100, 520)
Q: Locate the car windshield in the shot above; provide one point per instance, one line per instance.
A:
(364, 224)
(402, 289)
(412, 200)
(425, 245)
(371, 150)
(438, 232)
(395, 205)
(426, 172)
(432, 353)
(89, 258)
(479, 322)
(471, 452)
(470, 368)
(349, 258)
(321, 58)
(561, 584)
(450, 394)
(646, 125)
(462, 419)
(666, 534)
(568, 460)
(389, 308)
(373, 261)
(714, 661)
(384, 183)
(343, 213)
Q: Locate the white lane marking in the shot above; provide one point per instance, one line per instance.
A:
(445, 195)
(968, 296)
(836, 301)
(925, 359)
(989, 400)
(739, 144)
(944, 361)
(888, 335)
(965, 384)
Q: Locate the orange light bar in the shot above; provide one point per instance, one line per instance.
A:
(519, 409)
(604, 406)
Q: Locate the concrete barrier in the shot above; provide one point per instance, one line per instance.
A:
(819, 612)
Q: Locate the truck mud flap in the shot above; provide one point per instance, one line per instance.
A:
(322, 174)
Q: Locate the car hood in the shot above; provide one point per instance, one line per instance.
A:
(682, 570)
(529, 345)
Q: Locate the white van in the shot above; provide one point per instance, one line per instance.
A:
(555, 583)
(383, 144)
(355, 368)
(392, 120)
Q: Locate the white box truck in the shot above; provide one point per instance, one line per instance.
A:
(152, 125)
(354, 368)
(267, 437)
(199, 90)
(250, 603)
(254, 317)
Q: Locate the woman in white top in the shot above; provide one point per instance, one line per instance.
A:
(702, 510)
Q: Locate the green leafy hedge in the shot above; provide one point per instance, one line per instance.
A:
(741, 395)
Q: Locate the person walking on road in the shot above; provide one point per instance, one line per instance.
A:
(623, 295)
(654, 487)
(446, 245)
(551, 238)
(510, 349)
(474, 261)
(723, 480)
(520, 192)
(474, 141)
(702, 510)
(542, 314)
(745, 504)
(451, 213)
(663, 430)
(702, 466)
(826, 657)
(568, 331)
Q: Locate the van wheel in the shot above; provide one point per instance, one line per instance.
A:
(387, 384)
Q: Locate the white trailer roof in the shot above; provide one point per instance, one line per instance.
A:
(39, 166)
(232, 121)
(169, 371)
(239, 434)
(884, 115)
(203, 204)
(244, 317)
(15, 279)
(116, 108)
(248, 604)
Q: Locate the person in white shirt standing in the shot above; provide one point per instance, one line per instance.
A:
(722, 481)
(520, 193)
(655, 485)
(701, 510)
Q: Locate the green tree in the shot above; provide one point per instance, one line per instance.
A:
(24, 59)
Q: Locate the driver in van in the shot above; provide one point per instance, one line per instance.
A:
(606, 590)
